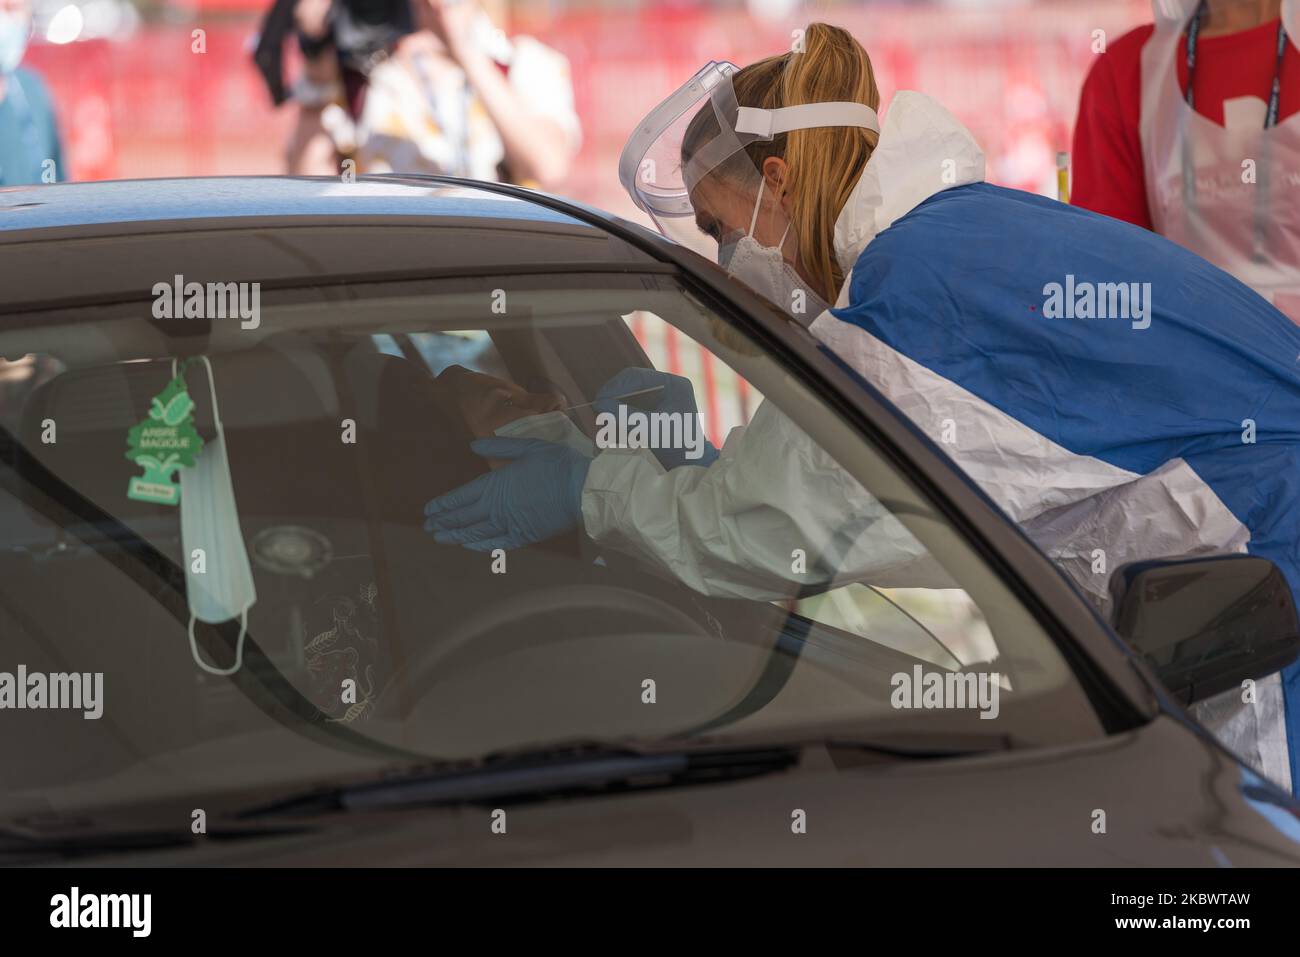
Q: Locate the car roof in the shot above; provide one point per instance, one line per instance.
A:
(152, 200)
(73, 244)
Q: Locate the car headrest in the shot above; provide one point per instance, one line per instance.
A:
(415, 433)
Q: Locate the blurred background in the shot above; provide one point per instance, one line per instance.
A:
(134, 99)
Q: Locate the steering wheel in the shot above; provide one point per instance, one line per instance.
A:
(503, 624)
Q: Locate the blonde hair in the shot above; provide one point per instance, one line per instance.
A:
(824, 163)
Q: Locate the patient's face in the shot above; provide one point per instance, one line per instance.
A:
(487, 403)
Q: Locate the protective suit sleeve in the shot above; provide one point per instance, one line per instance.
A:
(732, 529)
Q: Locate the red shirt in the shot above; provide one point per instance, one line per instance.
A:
(1107, 168)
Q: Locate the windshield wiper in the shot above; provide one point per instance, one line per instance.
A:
(591, 769)
(516, 778)
(17, 848)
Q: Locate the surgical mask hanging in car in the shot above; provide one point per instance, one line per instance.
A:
(219, 578)
(552, 427)
(764, 269)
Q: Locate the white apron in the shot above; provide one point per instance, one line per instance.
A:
(1240, 208)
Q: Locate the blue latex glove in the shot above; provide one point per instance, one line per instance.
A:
(677, 396)
(535, 497)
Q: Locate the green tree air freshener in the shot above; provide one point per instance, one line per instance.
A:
(162, 443)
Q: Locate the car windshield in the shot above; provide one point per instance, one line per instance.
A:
(358, 641)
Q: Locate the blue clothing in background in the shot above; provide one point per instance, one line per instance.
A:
(29, 136)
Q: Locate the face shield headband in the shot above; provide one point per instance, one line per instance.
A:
(697, 129)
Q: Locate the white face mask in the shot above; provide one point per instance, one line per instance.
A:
(764, 269)
(550, 426)
(210, 520)
(15, 30)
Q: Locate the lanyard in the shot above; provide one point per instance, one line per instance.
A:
(1274, 96)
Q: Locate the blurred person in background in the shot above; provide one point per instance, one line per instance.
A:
(425, 86)
(459, 97)
(30, 150)
(1189, 127)
(341, 41)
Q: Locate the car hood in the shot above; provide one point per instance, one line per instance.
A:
(1160, 795)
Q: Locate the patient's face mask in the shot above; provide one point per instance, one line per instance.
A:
(552, 427)
(765, 270)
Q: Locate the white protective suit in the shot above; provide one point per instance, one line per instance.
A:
(730, 529)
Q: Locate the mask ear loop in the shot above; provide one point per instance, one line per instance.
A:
(753, 220)
(239, 648)
(758, 201)
(243, 615)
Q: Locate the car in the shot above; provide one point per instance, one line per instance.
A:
(315, 357)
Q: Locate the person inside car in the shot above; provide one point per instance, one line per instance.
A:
(488, 403)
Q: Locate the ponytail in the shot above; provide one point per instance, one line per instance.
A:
(824, 163)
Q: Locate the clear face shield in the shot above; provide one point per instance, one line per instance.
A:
(687, 167)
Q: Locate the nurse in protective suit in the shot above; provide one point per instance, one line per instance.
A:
(1170, 430)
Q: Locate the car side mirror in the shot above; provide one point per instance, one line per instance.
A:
(1205, 625)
